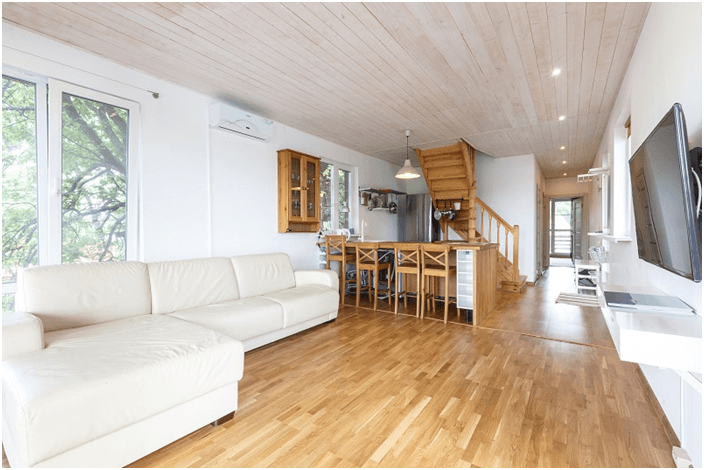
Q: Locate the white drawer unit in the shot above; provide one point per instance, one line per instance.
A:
(465, 279)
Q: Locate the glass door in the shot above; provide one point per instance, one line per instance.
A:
(576, 228)
(296, 191)
(560, 228)
(311, 189)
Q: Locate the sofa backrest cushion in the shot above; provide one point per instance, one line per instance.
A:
(73, 295)
(180, 285)
(263, 274)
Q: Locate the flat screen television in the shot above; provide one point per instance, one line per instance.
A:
(668, 231)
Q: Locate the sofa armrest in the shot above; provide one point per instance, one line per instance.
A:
(326, 277)
(21, 333)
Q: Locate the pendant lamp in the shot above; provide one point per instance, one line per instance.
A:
(407, 171)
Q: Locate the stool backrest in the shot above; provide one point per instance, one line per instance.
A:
(407, 255)
(335, 245)
(436, 257)
(367, 254)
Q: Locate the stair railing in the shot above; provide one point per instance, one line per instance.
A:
(492, 234)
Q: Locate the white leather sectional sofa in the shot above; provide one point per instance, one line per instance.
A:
(108, 362)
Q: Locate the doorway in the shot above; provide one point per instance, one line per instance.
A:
(565, 230)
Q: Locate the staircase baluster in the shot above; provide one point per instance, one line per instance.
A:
(483, 232)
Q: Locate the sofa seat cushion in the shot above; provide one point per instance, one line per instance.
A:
(95, 380)
(305, 302)
(240, 319)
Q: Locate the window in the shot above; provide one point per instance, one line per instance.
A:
(622, 200)
(335, 196)
(93, 180)
(69, 192)
(344, 179)
(19, 182)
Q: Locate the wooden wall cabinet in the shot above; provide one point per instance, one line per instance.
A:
(299, 192)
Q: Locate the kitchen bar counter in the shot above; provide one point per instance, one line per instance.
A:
(485, 272)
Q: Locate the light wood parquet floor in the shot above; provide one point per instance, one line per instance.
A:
(373, 389)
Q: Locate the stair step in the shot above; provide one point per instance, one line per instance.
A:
(454, 194)
(430, 163)
(445, 172)
(517, 286)
(449, 184)
(449, 149)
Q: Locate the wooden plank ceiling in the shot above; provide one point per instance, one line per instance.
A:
(358, 74)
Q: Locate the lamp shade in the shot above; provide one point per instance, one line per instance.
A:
(407, 172)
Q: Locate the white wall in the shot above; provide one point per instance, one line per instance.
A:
(666, 67)
(203, 192)
(244, 202)
(508, 186)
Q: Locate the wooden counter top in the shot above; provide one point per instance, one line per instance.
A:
(456, 245)
(485, 278)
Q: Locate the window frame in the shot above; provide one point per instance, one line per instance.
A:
(334, 203)
(56, 90)
(41, 131)
(48, 99)
(622, 199)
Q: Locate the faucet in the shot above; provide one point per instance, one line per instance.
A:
(364, 222)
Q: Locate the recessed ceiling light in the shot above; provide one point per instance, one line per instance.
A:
(562, 148)
(564, 174)
(556, 72)
(564, 162)
(561, 118)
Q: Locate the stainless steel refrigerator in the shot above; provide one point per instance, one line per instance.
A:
(415, 219)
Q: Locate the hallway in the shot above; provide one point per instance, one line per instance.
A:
(535, 313)
(532, 312)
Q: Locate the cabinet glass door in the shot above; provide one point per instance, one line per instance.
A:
(311, 189)
(296, 167)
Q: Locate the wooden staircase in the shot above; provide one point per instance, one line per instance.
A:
(506, 235)
(450, 175)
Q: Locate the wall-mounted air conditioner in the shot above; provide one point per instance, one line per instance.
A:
(240, 122)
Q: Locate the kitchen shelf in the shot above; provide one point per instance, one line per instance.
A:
(379, 191)
(592, 273)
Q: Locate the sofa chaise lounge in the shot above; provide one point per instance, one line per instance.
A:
(105, 363)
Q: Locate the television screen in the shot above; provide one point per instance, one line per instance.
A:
(667, 230)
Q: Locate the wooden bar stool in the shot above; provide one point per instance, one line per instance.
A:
(435, 263)
(336, 250)
(407, 261)
(368, 260)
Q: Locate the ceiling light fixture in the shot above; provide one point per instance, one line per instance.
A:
(556, 72)
(564, 162)
(562, 148)
(561, 118)
(407, 171)
(564, 174)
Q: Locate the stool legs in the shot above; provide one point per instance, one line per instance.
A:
(342, 282)
(359, 286)
(398, 276)
(418, 297)
(447, 297)
(422, 297)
